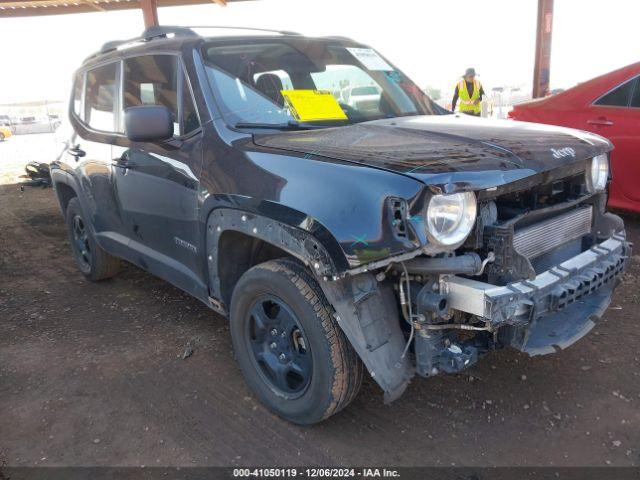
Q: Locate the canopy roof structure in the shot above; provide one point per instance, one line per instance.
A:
(27, 8)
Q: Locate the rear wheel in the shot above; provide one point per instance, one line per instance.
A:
(93, 261)
(1, 137)
(293, 355)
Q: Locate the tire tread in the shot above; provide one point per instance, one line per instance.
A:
(103, 265)
(349, 369)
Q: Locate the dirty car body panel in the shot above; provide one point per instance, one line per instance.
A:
(351, 201)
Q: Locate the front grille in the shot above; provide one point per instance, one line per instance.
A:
(547, 235)
(544, 195)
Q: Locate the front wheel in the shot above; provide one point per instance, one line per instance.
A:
(293, 354)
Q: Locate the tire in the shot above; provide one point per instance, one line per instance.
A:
(1, 137)
(94, 263)
(320, 373)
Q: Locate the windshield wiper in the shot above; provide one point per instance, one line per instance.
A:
(291, 125)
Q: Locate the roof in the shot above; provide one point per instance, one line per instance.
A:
(163, 36)
(27, 8)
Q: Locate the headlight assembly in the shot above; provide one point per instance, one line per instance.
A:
(450, 218)
(598, 173)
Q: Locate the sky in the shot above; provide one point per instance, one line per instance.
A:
(432, 41)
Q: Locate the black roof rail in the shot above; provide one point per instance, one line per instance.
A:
(164, 30)
(340, 37)
(149, 34)
(160, 31)
(231, 27)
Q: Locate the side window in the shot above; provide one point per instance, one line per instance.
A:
(77, 94)
(152, 80)
(619, 97)
(190, 121)
(99, 100)
(635, 100)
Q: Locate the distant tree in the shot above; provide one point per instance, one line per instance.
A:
(434, 93)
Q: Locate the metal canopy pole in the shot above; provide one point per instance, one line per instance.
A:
(542, 67)
(149, 12)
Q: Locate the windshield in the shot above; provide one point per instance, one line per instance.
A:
(257, 83)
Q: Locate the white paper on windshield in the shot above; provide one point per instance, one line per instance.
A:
(370, 58)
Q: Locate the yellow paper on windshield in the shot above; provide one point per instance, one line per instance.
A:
(310, 105)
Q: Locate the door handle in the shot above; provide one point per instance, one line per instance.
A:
(76, 151)
(601, 122)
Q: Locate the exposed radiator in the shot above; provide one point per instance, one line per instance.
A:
(542, 237)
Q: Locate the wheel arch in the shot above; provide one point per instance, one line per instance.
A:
(66, 187)
(238, 239)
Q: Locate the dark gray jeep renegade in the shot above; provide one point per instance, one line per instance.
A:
(312, 193)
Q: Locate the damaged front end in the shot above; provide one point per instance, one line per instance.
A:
(537, 270)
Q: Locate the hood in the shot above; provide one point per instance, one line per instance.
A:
(450, 152)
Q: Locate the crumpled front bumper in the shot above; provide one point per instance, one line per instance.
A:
(555, 309)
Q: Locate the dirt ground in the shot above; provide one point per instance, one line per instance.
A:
(93, 374)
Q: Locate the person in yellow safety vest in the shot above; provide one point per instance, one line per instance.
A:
(470, 92)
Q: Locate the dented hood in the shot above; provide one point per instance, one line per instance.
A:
(450, 152)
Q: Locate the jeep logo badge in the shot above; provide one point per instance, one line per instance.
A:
(563, 152)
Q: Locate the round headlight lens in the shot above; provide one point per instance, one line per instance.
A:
(450, 218)
(598, 173)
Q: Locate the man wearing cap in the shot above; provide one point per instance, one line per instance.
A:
(470, 92)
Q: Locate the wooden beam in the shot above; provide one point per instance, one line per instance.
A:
(149, 13)
(542, 67)
(29, 8)
(94, 5)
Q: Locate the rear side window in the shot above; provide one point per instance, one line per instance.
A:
(152, 80)
(618, 97)
(635, 100)
(77, 94)
(99, 102)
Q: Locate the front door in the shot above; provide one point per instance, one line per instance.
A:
(157, 183)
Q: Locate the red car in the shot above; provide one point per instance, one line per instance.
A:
(609, 106)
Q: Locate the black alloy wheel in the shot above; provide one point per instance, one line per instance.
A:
(293, 354)
(94, 262)
(80, 244)
(280, 348)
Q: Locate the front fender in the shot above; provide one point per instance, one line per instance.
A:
(370, 212)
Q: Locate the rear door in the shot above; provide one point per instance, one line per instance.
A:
(157, 182)
(95, 109)
(616, 116)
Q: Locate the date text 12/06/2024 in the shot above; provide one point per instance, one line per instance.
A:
(315, 473)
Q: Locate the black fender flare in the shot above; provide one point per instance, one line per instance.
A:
(295, 241)
(59, 176)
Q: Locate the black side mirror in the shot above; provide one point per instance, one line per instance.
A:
(148, 123)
